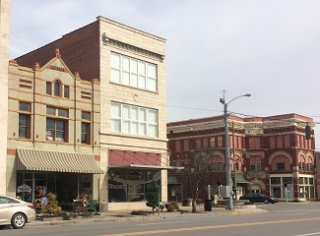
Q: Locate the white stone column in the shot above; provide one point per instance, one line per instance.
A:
(4, 59)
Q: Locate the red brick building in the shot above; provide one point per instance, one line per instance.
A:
(268, 154)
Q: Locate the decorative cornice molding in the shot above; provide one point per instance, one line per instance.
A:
(107, 40)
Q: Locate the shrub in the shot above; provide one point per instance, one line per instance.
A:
(52, 207)
(172, 206)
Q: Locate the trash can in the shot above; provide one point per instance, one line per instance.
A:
(208, 205)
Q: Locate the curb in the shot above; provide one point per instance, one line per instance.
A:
(129, 217)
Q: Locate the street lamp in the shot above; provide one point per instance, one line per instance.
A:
(226, 139)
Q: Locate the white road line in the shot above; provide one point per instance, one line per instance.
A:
(161, 223)
(318, 233)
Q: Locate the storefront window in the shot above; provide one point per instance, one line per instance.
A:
(130, 185)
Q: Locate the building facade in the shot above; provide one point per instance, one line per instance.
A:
(53, 133)
(268, 154)
(129, 65)
(4, 55)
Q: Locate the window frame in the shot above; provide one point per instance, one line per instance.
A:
(24, 128)
(133, 72)
(55, 130)
(142, 121)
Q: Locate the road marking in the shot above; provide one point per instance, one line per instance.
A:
(161, 223)
(309, 234)
(211, 227)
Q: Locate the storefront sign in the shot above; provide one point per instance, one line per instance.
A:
(24, 189)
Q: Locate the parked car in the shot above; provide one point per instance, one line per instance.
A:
(258, 197)
(16, 212)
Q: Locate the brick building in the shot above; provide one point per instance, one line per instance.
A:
(129, 65)
(267, 154)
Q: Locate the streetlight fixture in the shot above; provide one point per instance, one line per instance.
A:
(226, 139)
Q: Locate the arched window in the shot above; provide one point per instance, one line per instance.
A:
(57, 88)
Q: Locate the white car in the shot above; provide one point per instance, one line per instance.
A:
(16, 212)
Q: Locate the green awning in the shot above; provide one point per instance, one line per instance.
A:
(241, 180)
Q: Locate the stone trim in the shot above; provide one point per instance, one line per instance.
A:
(106, 40)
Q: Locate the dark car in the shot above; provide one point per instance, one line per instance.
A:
(258, 197)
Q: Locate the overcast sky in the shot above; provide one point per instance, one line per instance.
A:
(269, 48)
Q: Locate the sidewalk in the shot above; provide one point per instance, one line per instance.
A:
(115, 216)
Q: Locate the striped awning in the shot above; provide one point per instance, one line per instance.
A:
(38, 160)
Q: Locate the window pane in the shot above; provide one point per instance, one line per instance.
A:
(143, 114)
(275, 180)
(152, 116)
(115, 110)
(152, 84)
(66, 91)
(151, 70)
(49, 88)
(125, 78)
(142, 82)
(116, 125)
(50, 124)
(85, 133)
(57, 88)
(85, 115)
(24, 126)
(63, 112)
(134, 80)
(115, 61)
(134, 128)
(287, 180)
(143, 129)
(134, 113)
(142, 68)
(152, 130)
(125, 63)
(24, 106)
(59, 125)
(126, 127)
(126, 112)
(51, 111)
(134, 66)
(115, 76)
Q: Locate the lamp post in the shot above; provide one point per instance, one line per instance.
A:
(226, 139)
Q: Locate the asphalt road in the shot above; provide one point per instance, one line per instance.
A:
(293, 219)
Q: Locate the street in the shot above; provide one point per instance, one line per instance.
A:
(293, 219)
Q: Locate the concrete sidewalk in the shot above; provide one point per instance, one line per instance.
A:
(115, 216)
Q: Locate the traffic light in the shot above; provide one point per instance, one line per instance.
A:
(308, 131)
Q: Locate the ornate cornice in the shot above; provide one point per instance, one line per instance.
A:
(116, 43)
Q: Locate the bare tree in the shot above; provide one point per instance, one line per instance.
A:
(197, 173)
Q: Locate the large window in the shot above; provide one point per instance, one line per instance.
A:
(134, 120)
(125, 185)
(57, 124)
(24, 119)
(132, 72)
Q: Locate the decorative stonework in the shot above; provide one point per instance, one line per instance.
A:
(253, 128)
(106, 40)
(254, 175)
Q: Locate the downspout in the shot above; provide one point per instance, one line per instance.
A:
(76, 76)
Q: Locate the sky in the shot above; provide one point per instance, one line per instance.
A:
(268, 48)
